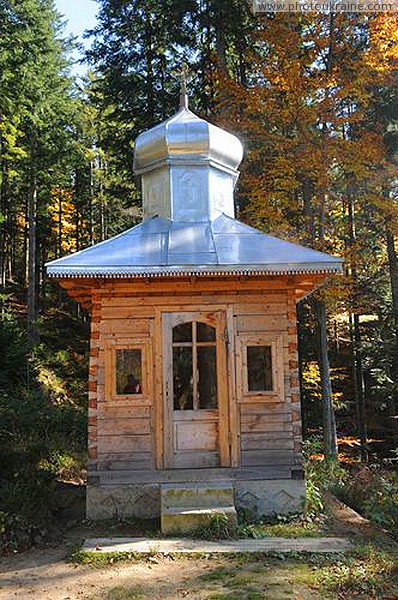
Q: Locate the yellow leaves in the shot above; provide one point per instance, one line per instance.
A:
(63, 216)
(382, 55)
(361, 157)
(21, 220)
(307, 120)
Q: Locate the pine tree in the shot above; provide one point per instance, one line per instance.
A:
(36, 95)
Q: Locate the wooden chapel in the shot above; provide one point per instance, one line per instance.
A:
(194, 400)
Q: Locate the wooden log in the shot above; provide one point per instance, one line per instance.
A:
(257, 442)
(123, 461)
(125, 443)
(252, 303)
(196, 460)
(267, 457)
(277, 426)
(117, 324)
(123, 426)
(266, 407)
(184, 475)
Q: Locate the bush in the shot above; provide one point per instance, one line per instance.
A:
(17, 533)
(373, 491)
(322, 476)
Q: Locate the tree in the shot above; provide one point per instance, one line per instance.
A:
(314, 161)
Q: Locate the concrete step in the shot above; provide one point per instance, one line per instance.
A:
(322, 545)
(187, 520)
(186, 507)
(199, 495)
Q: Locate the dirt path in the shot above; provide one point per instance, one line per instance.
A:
(45, 574)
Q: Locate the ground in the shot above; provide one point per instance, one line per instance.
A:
(48, 573)
(44, 575)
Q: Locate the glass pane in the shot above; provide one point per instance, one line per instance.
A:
(182, 378)
(182, 333)
(128, 372)
(207, 377)
(259, 368)
(206, 333)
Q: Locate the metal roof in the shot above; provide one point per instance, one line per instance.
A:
(159, 247)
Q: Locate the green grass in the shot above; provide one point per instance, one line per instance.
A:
(217, 574)
(365, 573)
(293, 529)
(294, 526)
(101, 559)
(121, 593)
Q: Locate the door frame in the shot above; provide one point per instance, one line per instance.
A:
(218, 319)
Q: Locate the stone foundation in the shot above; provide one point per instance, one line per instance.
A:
(123, 501)
(267, 497)
(278, 496)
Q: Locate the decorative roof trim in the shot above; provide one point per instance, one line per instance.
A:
(126, 273)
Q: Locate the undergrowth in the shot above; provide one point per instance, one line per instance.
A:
(371, 490)
(42, 437)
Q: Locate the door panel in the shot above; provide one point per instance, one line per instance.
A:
(197, 434)
(195, 385)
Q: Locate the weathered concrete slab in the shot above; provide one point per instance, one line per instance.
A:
(188, 546)
(200, 495)
(186, 507)
(177, 521)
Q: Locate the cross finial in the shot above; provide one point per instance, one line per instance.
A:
(184, 72)
(183, 75)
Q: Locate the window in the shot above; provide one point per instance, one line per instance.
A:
(260, 372)
(259, 368)
(128, 374)
(194, 366)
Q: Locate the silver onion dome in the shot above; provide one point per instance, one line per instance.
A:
(188, 168)
(184, 138)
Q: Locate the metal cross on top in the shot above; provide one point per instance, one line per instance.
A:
(183, 74)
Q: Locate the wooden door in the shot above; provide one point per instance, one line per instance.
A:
(195, 390)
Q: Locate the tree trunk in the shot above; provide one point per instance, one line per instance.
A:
(393, 268)
(221, 49)
(149, 58)
(90, 202)
(329, 421)
(4, 219)
(33, 334)
(101, 193)
(356, 338)
(307, 191)
(59, 248)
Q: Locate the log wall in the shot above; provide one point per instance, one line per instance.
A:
(126, 434)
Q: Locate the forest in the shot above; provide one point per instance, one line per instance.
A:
(313, 99)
